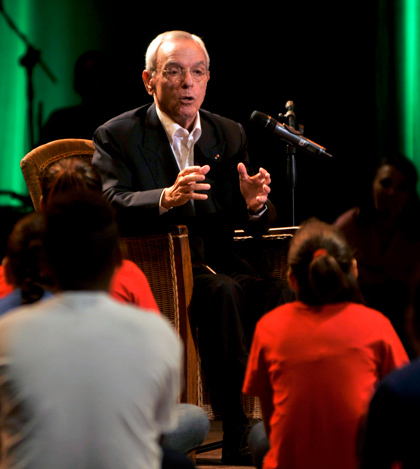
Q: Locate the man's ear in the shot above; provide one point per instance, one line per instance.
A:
(291, 278)
(148, 82)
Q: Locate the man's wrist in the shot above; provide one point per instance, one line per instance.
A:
(162, 209)
(258, 212)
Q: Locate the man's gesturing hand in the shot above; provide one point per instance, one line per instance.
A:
(254, 189)
(187, 182)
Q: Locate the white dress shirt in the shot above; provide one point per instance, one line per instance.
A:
(182, 143)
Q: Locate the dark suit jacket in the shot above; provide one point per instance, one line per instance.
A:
(136, 163)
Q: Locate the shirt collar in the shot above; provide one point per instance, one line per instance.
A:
(173, 129)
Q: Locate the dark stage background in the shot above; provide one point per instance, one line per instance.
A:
(326, 61)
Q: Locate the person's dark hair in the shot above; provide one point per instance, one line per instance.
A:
(81, 240)
(25, 258)
(321, 261)
(68, 174)
(405, 166)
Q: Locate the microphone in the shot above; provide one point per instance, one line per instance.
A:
(288, 134)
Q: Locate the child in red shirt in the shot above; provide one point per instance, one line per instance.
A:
(314, 363)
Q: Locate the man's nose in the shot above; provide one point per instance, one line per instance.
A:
(187, 79)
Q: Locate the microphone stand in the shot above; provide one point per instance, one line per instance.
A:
(29, 60)
(291, 152)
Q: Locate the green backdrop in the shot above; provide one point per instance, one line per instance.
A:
(61, 30)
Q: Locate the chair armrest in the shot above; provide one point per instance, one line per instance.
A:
(267, 254)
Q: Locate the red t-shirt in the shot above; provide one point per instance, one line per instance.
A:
(130, 285)
(317, 369)
(5, 288)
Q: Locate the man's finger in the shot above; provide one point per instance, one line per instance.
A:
(243, 174)
(191, 169)
(191, 178)
(199, 187)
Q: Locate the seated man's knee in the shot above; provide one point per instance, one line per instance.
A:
(218, 284)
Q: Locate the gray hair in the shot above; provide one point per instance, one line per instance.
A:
(152, 50)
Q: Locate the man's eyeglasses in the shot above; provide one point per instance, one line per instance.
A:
(177, 74)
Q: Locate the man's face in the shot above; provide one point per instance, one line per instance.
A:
(182, 97)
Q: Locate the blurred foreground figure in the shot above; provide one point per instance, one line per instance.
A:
(86, 381)
(393, 431)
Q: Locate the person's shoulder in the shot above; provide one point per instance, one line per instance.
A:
(367, 312)
(348, 217)
(10, 301)
(219, 120)
(371, 321)
(128, 267)
(216, 128)
(136, 315)
(16, 317)
(279, 314)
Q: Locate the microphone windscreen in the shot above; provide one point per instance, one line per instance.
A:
(263, 120)
(259, 118)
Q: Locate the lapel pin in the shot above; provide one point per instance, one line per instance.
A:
(217, 157)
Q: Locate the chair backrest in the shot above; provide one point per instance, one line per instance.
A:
(47, 154)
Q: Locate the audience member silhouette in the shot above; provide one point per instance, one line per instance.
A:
(384, 233)
(23, 264)
(96, 81)
(392, 431)
(314, 363)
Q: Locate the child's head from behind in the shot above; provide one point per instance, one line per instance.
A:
(322, 268)
(67, 175)
(24, 264)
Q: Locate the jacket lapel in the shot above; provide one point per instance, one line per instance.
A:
(157, 151)
(211, 147)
